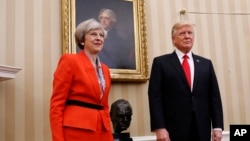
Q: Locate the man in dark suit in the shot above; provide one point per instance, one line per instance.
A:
(184, 107)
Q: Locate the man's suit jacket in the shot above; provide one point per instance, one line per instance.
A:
(172, 102)
(75, 78)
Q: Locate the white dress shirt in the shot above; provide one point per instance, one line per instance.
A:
(190, 62)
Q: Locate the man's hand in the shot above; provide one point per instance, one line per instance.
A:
(162, 135)
(217, 135)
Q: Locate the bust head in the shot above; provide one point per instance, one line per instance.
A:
(120, 113)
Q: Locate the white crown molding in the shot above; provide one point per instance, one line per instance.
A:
(8, 72)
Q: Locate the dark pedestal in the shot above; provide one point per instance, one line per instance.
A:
(122, 137)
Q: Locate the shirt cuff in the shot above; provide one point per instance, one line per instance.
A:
(219, 129)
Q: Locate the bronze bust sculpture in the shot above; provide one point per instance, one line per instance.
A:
(121, 113)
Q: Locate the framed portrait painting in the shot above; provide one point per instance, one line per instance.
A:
(125, 49)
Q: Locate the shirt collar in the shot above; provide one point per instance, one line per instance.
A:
(180, 54)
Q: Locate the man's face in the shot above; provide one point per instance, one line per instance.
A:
(183, 38)
(105, 20)
(121, 118)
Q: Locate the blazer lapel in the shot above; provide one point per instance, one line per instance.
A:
(106, 75)
(94, 81)
(91, 74)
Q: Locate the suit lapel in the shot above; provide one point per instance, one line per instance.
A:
(197, 66)
(177, 65)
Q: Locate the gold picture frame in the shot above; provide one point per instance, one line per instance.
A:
(134, 19)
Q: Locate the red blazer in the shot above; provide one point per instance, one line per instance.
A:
(76, 79)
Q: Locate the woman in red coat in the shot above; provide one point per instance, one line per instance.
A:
(79, 103)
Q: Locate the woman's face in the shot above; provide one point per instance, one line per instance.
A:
(94, 40)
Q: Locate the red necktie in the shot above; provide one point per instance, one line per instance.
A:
(186, 68)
